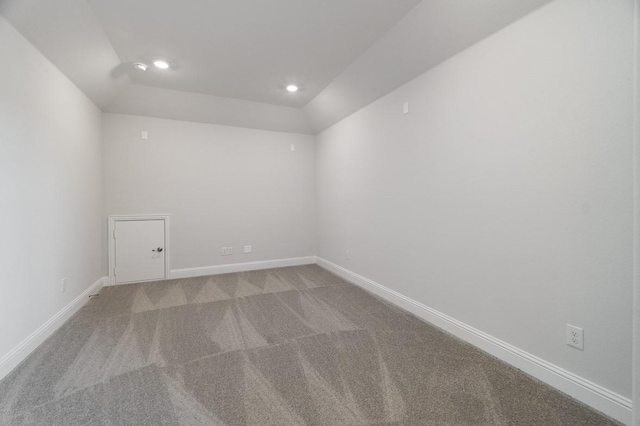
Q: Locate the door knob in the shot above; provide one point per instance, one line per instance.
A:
(159, 249)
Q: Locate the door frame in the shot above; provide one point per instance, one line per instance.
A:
(112, 247)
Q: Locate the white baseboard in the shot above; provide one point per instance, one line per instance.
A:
(241, 267)
(12, 359)
(592, 394)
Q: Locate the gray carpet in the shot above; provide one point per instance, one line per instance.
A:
(289, 346)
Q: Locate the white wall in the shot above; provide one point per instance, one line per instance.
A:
(504, 199)
(188, 106)
(50, 189)
(636, 281)
(222, 186)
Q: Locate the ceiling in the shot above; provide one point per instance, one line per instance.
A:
(230, 60)
(246, 49)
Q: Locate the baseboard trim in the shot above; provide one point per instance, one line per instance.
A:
(592, 394)
(241, 267)
(18, 354)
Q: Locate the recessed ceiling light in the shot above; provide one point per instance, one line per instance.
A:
(163, 65)
(140, 66)
(292, 88)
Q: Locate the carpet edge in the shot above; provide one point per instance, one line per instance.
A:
(585, 391)
(241, 267)
(19, 353)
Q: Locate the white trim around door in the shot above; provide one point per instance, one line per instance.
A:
(112, 248)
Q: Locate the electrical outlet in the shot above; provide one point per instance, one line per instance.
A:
(229, 250)
(575, 337)
(63, 285)
(247, 249)
(224, 251)
(347, 254)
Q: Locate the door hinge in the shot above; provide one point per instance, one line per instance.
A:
(114, 272)
(114, 234)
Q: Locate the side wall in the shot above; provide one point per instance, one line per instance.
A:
(504, 198)
(223, 186)
(636, 280)
(50, 194)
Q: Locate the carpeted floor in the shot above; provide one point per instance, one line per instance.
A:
(289, 346)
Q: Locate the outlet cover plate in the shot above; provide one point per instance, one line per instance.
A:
(575, 337)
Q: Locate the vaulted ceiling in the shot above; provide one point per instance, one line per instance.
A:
(231, 60)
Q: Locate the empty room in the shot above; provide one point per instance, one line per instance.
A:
(320, 212)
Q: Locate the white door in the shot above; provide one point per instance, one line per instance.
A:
(139, 250)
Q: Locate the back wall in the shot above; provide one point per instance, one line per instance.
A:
(222, 186)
